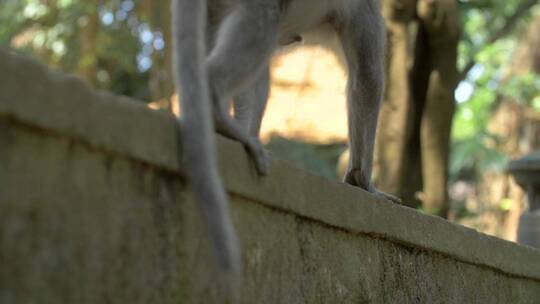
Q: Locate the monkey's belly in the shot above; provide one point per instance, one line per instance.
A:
(305, 16)
(288, 40)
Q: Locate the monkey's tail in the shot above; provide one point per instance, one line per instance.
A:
(198, 139)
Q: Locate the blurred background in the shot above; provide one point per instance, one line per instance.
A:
(462, 92)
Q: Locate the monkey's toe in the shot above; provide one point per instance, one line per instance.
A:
(262, 162)
(389, 197)
(260, 156)
(355, 178)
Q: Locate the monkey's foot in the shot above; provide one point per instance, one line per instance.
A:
(259, 155)
(354, 178)
(386, 196)
(231, 129)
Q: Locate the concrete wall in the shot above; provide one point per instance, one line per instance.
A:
(94, 209)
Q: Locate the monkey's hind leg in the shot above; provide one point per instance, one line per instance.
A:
(250, 104)
(362, 37)
(245, 41)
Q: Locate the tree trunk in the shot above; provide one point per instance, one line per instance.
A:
(394, 119)
(161, 78)
(88, 27)
(440, 21)
(419, 82)
(414, 132)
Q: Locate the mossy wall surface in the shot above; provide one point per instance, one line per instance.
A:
(94, 209)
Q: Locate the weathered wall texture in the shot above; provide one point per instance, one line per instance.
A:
(93, 209)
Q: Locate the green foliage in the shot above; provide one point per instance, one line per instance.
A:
(474, 155)
(51, 30)
(523, 89)
(10, 21)
(473, 150)
(480, 21)
(536, 103)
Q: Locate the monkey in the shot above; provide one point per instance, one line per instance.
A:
(222, 50)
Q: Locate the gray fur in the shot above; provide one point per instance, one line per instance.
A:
(241, 36)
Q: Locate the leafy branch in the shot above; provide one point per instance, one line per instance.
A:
(506, 29)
